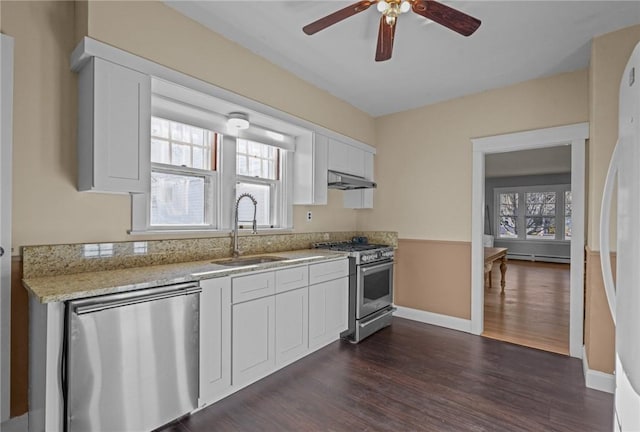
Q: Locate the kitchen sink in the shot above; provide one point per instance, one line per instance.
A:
(238, 262)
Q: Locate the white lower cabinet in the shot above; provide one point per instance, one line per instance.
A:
(253, 334)
(215, 339)
(328, 304)
(292, 325)
(253, 324)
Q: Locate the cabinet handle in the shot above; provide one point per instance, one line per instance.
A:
(1, 251)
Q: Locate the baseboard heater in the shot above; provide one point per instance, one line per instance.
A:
(541, 258)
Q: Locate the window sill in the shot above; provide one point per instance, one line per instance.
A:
(208, 232)
(538, 241)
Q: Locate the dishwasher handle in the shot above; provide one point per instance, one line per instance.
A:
(135, 297)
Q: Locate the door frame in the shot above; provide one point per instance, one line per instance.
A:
(6, 138)
(574, 135)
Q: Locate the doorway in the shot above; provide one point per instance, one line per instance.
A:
(573, 136)
(528, 216)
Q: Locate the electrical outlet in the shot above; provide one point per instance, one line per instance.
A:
(309, 216)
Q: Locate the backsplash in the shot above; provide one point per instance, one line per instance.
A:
(55, 260)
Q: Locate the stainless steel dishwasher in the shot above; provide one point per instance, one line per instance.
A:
(131, 360)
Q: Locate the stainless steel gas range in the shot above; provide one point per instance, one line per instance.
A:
(370, 286)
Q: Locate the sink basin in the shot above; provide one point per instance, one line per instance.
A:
(239, 262)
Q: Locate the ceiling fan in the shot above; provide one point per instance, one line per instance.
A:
(391, 10)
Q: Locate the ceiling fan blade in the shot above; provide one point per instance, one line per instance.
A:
(337, 16)
(386, 33)
(451, 18)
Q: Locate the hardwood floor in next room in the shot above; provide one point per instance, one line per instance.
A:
(534, 311)
(415, 377)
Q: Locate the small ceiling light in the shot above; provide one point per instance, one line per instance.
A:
(382, 6)
(405, 6)
(237, 121)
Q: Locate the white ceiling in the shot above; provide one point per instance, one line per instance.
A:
(518, 40)
(552, 160)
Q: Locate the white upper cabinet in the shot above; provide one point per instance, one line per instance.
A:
(345, 158)
(361, 198)
(310, 170)
(114, 112)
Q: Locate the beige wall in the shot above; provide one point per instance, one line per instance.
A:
(609, 55)
(47, 208)
(141, 27)
(599, 330)
(424, 168)
(434, 276)
(423, 164)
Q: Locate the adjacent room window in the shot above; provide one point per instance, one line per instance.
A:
(567, 215)
(508, 215)
(183, 177)
(258, 171)
(533, 213)
(540, 215)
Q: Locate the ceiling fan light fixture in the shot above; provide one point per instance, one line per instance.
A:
(382, 6)
(237, 121)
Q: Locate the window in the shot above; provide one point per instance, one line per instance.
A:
(197, 172)
(567, 215)
(183, 164)
(258, 173)
(540, 215)
(533, 212)
(508, 215)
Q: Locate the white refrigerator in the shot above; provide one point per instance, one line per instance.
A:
(624, 294)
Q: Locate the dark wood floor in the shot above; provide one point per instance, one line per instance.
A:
(534, 310)
(415, 377)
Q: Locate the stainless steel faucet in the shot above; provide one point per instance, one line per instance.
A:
(236, 251)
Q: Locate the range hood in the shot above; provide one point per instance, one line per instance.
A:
(338, 180)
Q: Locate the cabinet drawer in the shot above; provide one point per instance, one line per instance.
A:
(325, 271)
(251, 287)
(291, 278)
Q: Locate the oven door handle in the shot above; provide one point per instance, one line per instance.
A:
(378, 267)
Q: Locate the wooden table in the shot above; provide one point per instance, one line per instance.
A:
(492, 255)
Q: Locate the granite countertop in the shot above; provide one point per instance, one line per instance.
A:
(68, 287)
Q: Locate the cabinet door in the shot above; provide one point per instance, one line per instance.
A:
(253, 340)
(113, 128)
(328, 309)
(361, 198)
(292, 325)
(346, 158)
(338, 156)
(215, 338)
(310, 170)
(356, 161)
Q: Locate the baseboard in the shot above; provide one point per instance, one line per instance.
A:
(539, 258)
(597, 380)
(15, 424)
(440, 320)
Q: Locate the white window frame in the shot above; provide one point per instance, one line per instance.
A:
(281, 192)
(559, 190)
(274, 196)
(141, 203)
(211, 195)
(177, 103)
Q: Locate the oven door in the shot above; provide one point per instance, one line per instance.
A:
(374, 288)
